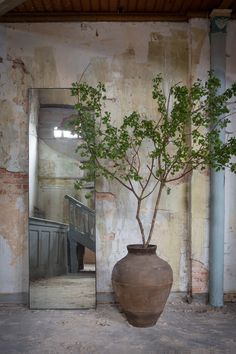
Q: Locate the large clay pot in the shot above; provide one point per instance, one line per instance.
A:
(142, 282)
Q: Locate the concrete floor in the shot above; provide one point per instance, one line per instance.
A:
(182, 328)
(71, 291)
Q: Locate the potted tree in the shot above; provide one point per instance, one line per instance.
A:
(145, 155)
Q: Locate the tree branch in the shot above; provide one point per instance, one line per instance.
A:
(132, 188)
(132, 166)
(183, 174)
(136, 154)
(139, 221)
(113, 176)
(154, 214)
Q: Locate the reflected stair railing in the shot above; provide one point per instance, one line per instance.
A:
(81, 233)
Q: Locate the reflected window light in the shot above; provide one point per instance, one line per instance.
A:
(68, 134)
(58, 133)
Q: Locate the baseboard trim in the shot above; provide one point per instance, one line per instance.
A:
(14, 298)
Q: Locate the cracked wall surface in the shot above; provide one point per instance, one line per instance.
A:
(125, 56)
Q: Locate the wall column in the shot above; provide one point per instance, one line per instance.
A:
(219, 19)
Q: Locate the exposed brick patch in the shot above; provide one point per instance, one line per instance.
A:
(200, 276)
(230, 297)
(105, 196)
(14, 212)
(110, 236)
(17, 179)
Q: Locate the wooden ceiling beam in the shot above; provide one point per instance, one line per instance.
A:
(8, 5)
(226, 4)
(101, 16)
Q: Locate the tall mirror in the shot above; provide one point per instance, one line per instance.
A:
(61, 219)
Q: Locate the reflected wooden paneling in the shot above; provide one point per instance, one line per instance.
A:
(47, 248)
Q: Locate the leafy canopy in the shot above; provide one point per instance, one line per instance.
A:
(145, 154)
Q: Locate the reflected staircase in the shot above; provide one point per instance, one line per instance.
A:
(81, 232)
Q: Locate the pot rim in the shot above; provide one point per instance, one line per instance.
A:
(140, 249)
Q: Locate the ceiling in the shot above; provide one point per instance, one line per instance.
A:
(109, 10)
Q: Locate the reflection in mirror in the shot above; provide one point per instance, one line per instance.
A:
(61, 219)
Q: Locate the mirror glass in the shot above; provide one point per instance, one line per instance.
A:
(61, 219)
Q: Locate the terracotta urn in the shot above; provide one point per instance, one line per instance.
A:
(142, 282)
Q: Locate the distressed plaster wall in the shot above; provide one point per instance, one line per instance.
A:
(230, 178)
(199, 59)
(125, 56)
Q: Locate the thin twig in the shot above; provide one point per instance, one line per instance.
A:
(132, 166)
(84, 71)
(111, 174)
(152, 190)
(132, 188)
(136, 154)
(151, 172)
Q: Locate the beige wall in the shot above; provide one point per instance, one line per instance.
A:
(230, 179)
(125, 56)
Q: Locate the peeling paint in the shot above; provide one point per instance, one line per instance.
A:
(14, 195)
(20, 75)
(18, 63)
(130, 52)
